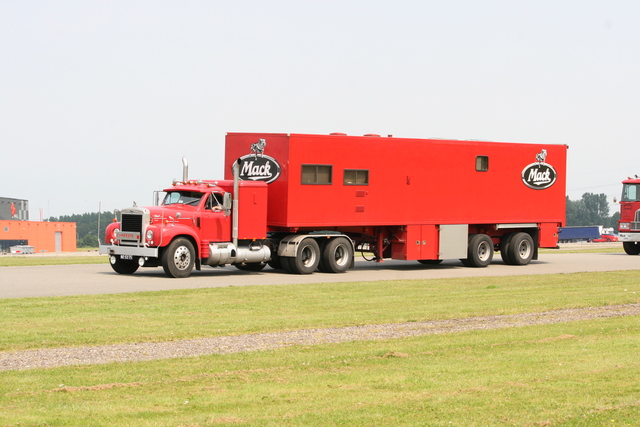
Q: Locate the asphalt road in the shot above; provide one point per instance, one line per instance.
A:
(38, 281)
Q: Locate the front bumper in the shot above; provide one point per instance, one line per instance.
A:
(629, 237)
(128, 250)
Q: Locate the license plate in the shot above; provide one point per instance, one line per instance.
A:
(130, 257)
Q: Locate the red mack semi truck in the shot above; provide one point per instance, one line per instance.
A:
(303, 203)
(629, 223)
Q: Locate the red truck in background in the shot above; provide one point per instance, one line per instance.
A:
(629, 223)
(309, 202)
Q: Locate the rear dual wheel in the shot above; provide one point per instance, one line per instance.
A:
(337, 254)
(306, 260)
(517, 248)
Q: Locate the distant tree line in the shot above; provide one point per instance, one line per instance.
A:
(591, 209)
(87, 230)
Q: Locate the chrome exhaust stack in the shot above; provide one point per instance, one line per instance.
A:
(185, 170)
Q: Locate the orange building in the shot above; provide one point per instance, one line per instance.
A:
(43, 236)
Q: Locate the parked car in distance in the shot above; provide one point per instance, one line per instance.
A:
(607, 238)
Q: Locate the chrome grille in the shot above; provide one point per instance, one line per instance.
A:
(635, 224)
(132, 223)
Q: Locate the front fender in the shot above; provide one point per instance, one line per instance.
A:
(171, 232)
(108, 232)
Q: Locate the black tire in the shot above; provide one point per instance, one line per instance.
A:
(505, 241)
(124, 266)
(307, 258)
(275, 262)
(254, 266)
(631, 248)
(337, 255)
(429, 261)
(479, 251)
(285, 263)
(179, 258)
(465, 262)
(521, 249)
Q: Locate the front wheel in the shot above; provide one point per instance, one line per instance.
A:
(179, 258)
(123, 266)
(631, 248)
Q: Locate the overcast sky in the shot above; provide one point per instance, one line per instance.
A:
(99, 100)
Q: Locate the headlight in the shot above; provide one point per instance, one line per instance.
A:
(623, 226)
(149, 235)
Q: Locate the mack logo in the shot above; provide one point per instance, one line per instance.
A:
(257, 166)
(539, 175)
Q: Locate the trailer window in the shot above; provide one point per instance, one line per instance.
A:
(316, 174)
(630, 193)
(356, 177)
(482, 163)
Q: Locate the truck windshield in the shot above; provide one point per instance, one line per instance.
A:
(182, 198)
(630, 193)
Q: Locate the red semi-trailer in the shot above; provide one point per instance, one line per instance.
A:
(306, 202)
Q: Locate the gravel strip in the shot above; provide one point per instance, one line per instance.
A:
(55, 357)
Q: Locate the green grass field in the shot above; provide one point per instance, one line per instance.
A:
(576, 374)
(61, 259)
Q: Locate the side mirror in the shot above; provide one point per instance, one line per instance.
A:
(226, 203)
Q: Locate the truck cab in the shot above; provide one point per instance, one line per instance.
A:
(629, 223)
(192, 226)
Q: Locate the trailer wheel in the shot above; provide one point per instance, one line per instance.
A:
(505, 241)
(521, 248)
(123, 266)
(479, 251)
(306, 260)
(631, 248)
(178, 258)
(337, 254)
(254, 266)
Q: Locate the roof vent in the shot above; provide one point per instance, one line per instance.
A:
(371, 134)
(338, 134)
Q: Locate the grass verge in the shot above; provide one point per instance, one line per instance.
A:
(574, 374)
(35, 260)
(585, 250)
(180, 314)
